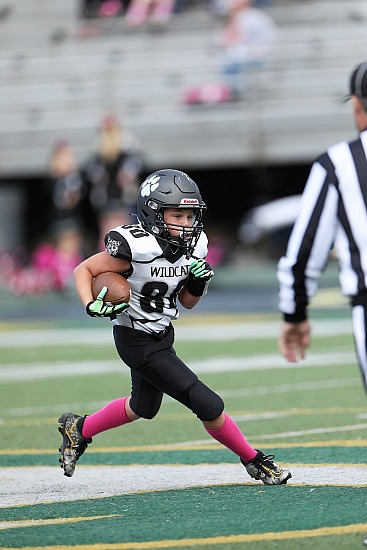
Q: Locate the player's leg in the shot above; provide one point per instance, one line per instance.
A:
(162, 369)
(77, 431)
(359, 316)
(114, 414)
(259, 466)
(145, 399)
(178, 381)
(159, 366)
(209, 408)
(135, 349)
(157, 363)
(73, 443)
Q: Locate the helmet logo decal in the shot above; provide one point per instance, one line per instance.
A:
(149, 185)
(189, 201)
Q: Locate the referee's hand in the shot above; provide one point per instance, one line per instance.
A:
(294, 339)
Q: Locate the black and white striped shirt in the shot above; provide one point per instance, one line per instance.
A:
(333, 210)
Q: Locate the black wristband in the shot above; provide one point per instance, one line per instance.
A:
(195, 286)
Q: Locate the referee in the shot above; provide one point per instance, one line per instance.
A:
(333, 211)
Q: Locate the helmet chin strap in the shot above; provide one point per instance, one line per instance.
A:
(181, 239)
(177, 241)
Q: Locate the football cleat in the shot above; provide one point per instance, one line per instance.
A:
(263, 468)
(73, 443)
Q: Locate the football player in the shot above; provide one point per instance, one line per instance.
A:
(163, 257)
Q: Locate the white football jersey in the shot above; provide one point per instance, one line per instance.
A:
(156, 277)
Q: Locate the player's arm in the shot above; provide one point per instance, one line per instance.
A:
(200, 274)
(187, 300)
(85, 272)
(306, 257)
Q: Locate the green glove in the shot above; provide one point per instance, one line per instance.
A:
(98, 308)
(202, 270)
(199, 277)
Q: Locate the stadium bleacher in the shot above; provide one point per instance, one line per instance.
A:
(53, 82)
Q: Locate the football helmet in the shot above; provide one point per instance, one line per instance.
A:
(170, 189)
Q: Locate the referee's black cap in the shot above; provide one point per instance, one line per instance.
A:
(358, 84)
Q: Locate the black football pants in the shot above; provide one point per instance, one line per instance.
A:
(156, 370)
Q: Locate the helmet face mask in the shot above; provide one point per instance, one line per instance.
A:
(170, 189)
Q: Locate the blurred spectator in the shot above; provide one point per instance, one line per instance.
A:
(88, 9)
(245, 45)
(113, 176)
(88, 16)
(92, 11)
(155, 12)
(111, 8)
(67, 189)
(50, 269)
(263, 3)
(51, 264)
(220, 7)
(247, 40)
(183, 5)
(68, 205)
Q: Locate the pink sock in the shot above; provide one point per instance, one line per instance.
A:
(111, 416)
(231, 437)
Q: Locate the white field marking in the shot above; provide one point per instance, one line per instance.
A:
(21, 523)
(290, 388)
(241, 392)
(52, 409)
(60, 369)
(313, 431)
(222, 331)
(281, 435)
(48, 484)
(21, 372)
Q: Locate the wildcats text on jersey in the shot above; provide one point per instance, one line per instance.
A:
(170, 271)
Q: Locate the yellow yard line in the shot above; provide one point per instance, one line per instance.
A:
(193, 447)
(23, 421)
(231, 539)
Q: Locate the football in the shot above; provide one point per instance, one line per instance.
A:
(118, 288)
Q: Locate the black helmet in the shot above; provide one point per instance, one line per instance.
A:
(170, 189)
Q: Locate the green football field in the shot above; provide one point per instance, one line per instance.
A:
(165, 483)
